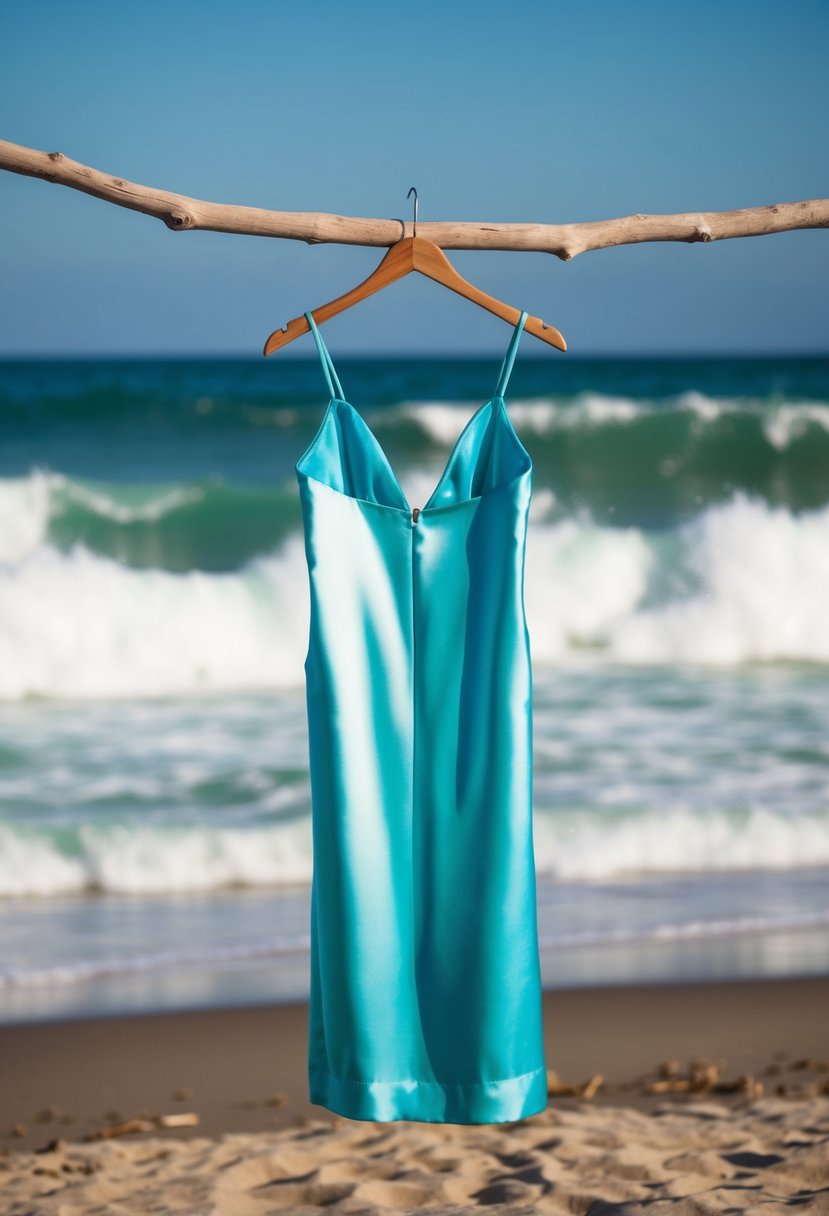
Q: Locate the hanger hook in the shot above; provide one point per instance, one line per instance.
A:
(412, 191)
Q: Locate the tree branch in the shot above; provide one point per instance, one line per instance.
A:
(565, 241)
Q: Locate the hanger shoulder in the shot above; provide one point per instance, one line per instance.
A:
(430, 260)
(397, 262)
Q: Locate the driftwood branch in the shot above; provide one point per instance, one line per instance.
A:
(565, 241)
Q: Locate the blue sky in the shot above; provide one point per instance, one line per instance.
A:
(544, 111)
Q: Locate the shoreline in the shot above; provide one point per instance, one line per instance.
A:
(687, 931)
(751, 1134)
(242, 1069)
(91, 1091)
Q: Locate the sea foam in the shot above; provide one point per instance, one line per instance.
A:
(589, 846)
(741, 582)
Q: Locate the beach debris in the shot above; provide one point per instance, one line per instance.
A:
(811, 1062)
(182, 1094)
(54, 1146)
(20, 1129)
(185, 1119)
(591, 1087)
(280, 1098)
(743, 1084)
(704, 1076)
(150, 1124)
(668, 1068)
(587, 1089)
(558, 1087)
(122, 1129)
(47, 1115)
(672, 1085)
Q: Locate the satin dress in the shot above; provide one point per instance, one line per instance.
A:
(425, 990)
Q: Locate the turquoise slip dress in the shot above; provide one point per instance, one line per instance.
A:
(425, 990)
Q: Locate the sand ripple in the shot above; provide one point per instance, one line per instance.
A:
(770, 1155)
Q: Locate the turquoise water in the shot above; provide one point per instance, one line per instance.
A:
(154, 799)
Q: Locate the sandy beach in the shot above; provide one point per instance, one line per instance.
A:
(705, 1097)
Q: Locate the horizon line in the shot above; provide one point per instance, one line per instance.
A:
(392, 355)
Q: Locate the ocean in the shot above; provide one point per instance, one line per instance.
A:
(155, 836)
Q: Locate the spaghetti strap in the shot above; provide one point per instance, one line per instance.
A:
(326, 360)
(509, 358)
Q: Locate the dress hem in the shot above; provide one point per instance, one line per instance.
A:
(504, 1101)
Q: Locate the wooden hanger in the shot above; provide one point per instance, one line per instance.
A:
(414, 253)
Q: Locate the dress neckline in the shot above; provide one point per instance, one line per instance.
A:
(497, 403)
